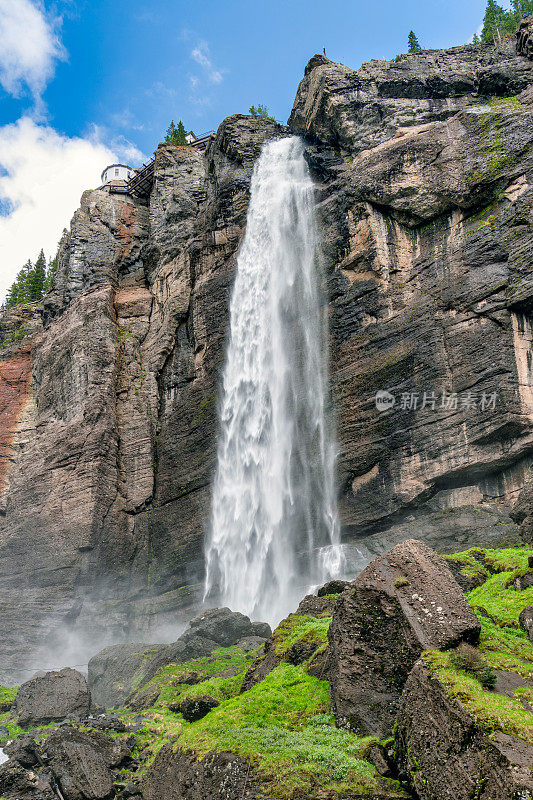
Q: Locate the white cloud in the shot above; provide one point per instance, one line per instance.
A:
(201, 55)
(29, 47)
(42, 177)
(124, 150)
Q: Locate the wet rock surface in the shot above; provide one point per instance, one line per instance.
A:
(401, 604)
(51, 698)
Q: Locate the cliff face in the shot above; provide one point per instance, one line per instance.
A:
(108, 391)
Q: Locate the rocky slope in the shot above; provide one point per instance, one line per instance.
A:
(324, 707)
(108, 389)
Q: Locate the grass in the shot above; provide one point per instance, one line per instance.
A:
(282, 728)
(8, 694)
(492, 711)
(300, 628)
(506, 648)
(502, 603)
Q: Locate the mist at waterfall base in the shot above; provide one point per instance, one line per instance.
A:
(274, 527)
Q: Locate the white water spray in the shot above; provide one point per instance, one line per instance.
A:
(274, 527)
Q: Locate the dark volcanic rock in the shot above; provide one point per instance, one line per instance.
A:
(119, 673)
(21, 784)
(194, 708)
(219, 776)
(52, 698)
(445, 753)
(226, 627)
(311, 604)
(526, 621)
(524, 38)
(77, 764)
(332, 587)
(401, 604)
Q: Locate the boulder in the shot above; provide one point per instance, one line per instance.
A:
(332, 587)
(402, 604)
(445, 754)
(522, 582)
(219, 776)
(526, 621)
(226, 627)
(194, 708)
(79, 764)
(52, 698)
(113, 671)
(311, 604)
(119, 672)
(16, 782)
(524, 38)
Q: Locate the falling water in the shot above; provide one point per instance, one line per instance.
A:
(274, 527)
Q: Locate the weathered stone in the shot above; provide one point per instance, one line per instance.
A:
(226, 627)
(400, 605)
(524, 38)
(81, 763)
(526, 621)
(311, 604)
(20, 784)
(194, 708)
(332, 587)
(52, 698)
(261, 667)
(219, 775)
(445, 753)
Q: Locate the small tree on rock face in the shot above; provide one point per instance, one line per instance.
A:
(176, 134)
(260, 111)
(414, 44)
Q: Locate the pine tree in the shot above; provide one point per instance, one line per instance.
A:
(176, 134)
(37, 278)
(414, 44)
(495, 22)
(475, 39)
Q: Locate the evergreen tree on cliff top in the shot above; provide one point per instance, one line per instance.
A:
(499, 23)
(414, 44)
(176, 134)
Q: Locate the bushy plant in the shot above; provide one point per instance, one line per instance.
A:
(469, 659)
(260, 111)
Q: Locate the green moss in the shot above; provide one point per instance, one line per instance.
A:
(506, 648)
(8, 694)
(300, 628)
(502, 603)
(281, 727)
(492, 711)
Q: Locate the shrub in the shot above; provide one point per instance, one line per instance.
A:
(468, 659)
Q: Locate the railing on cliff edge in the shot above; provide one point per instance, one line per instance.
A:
(140, 185)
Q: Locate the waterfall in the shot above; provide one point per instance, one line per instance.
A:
(274, 527)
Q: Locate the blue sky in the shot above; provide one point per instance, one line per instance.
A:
(85, 81)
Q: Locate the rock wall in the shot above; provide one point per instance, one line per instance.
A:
(108, 389)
